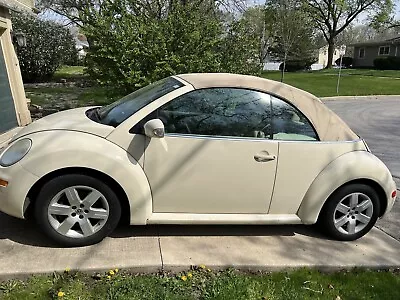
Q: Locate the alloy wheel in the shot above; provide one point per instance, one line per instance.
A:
(353, 213)
(78, 211)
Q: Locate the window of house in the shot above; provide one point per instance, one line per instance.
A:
(234, 112)
(384, 50)
(288, 123)
(361, 53)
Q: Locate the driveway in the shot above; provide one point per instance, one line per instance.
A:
(24, 250)
(378, 122)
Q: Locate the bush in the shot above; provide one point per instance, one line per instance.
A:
(347, 62)
(48, 46)
(132, 50)
(387, 63)
(296, 65)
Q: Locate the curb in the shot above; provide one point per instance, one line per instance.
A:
(282, 268)
(218, 267)
(372, 97)
(150, 269)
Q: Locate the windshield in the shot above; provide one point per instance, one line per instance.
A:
(117, 112)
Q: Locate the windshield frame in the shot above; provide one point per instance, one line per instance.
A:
(145, 95)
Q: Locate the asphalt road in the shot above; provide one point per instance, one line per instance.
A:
(378, 122)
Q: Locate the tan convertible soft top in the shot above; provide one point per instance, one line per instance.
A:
(327, 124)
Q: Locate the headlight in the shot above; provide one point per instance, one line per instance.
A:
(15, 152)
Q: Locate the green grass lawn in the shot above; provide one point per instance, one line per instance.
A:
(77, 90)
(70, 72)
(206, 284)
(71, 96)
(353, 82)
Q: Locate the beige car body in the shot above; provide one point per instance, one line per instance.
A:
(188, 179)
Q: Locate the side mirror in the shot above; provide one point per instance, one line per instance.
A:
(154, 129)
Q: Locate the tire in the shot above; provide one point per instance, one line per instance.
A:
(340, 209)
(77, 210)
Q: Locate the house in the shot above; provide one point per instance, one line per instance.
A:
(272, 64)
(13, 103)
(323, 56)
(365, 53)
(81, 45)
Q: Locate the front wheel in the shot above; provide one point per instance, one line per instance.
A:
(350, 212)
(77, 210)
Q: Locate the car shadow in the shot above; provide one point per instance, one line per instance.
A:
(26, 232)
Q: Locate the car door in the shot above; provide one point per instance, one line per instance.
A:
(302, 156)
(217, 155)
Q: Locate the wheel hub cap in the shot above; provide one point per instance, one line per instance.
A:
(78, 211)
(353, 213)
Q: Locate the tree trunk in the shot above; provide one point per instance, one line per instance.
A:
(283, 68)
(331, 50)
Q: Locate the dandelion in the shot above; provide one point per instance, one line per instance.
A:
(60, 294)
(111, 272)
(184, 278)
(116, 270)
(208, 270)
(67, 270)
(189, 275)
(108, 277)
(202, 267)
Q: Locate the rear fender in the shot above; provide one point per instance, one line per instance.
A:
(347, 167)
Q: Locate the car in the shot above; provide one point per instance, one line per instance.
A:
(195, 149)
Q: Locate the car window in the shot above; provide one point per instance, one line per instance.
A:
(288, 123)
(230, 112)
(117, 112)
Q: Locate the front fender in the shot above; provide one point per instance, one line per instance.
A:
(347, 167)
(59, 149)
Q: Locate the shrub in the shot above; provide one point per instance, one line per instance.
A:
(132, 50)
(387, 63)
(296, 65)
(48, 46)
(347, 62)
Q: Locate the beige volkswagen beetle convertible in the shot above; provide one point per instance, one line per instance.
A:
(195, 149)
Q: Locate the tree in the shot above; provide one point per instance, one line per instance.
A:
(332, 17)
(262, 28)
(293, 32)
(48, 46)
(78, 11)
(132, 44)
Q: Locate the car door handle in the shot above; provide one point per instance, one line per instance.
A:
(264, 157)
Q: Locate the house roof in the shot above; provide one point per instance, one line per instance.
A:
(391, 41)
(327, 124)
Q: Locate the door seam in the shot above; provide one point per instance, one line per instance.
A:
(276, 172)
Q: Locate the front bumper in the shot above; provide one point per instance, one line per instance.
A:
(12, 197)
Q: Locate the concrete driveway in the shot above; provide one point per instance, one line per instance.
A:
(24, 250)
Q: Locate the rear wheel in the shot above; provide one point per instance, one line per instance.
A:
(77, 210)
(350, 212)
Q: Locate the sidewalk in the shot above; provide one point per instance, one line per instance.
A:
(371, 97)
(26, 251)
